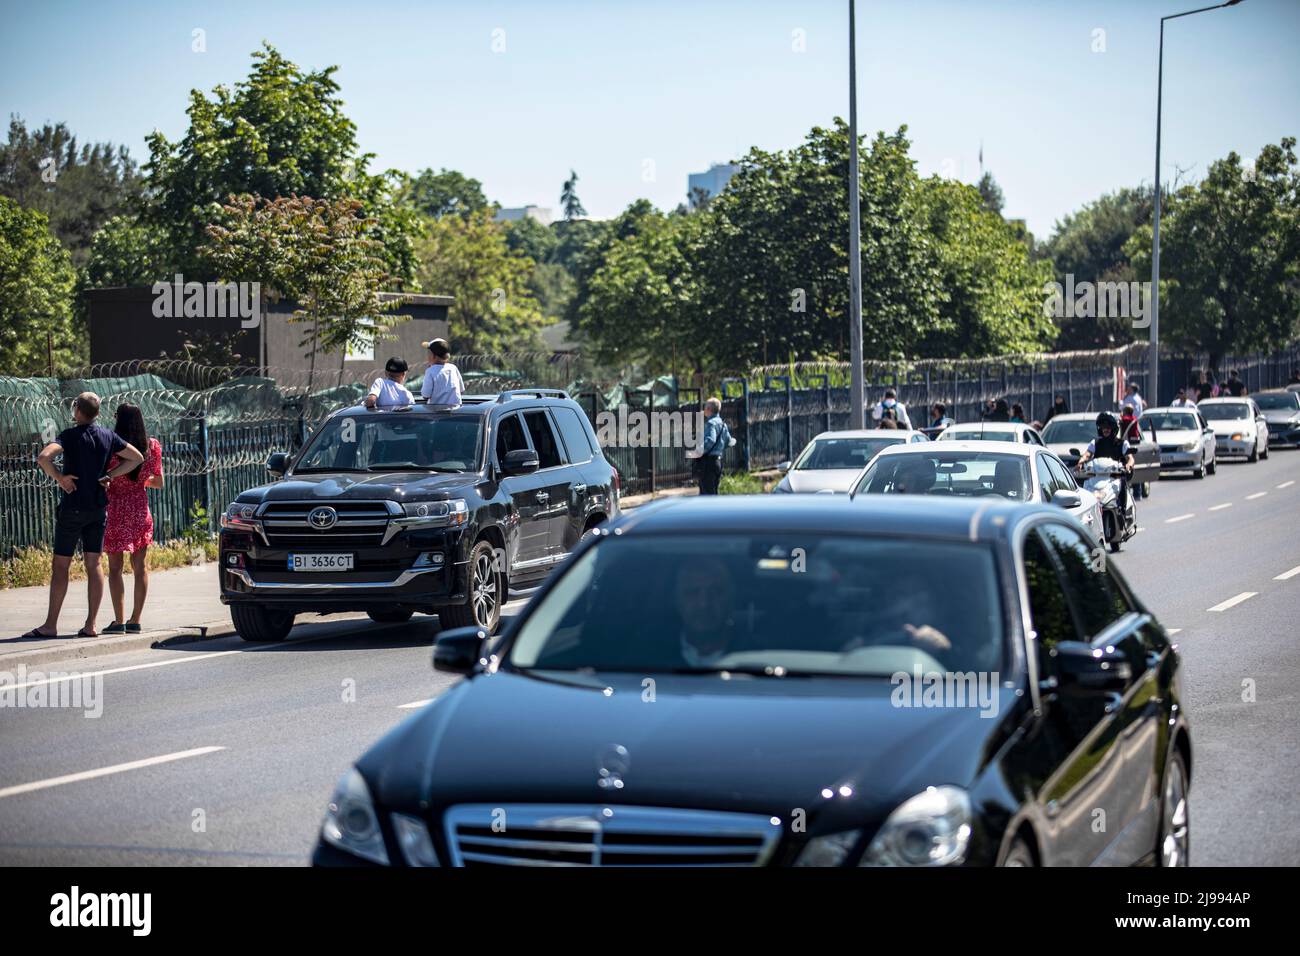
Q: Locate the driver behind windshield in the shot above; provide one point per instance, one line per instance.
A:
(705, 597)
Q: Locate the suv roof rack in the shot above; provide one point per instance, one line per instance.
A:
(513, 393)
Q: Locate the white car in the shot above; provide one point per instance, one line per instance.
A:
(992, 431)
(1240, 428)
(1013, 470)
(831, 461)
(1186, 439)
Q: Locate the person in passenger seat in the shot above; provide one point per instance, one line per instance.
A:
(1007, 479)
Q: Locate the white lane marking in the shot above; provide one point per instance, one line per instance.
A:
(1233, 601)
(104, 771)
(118, 670)
(1258, 494)
(1189, 514)
(1222, 506)
(1171, 631)
(1288, 575)
(1286, 484)
(414, 704)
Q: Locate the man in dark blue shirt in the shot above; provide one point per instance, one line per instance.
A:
(86, 449)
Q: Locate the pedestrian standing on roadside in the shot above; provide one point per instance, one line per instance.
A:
(442, 382)
(129, 525)
(1204, 387)
(1235, 386)
(1134, 400)
(390, 391)
(1182, 401)
(890, 407)
(86, 449)
(1059, 407)
(1018, 413)
(717, 438)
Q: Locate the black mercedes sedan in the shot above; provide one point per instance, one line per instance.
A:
(800, 681)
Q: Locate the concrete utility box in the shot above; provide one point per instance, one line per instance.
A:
(131, 323)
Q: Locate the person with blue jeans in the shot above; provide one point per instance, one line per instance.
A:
(86, 449)
(717, 437)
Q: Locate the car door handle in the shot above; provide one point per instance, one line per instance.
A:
(543, 497)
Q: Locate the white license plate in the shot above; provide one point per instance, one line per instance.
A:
(1166, 459)
(320, 562)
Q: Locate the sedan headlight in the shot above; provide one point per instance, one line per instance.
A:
(1189, 446)
(433, 514)
(931, 829)
(350, 820)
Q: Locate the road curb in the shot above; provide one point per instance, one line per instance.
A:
(85, 648)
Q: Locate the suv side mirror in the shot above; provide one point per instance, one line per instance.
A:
(1064, 498)
(459, 650)
(1083, 667)
(783, 467)
(521, 461)
(277, 464)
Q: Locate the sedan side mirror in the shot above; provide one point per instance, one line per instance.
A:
(459, 650)
(783, 467)
(1083, 667)
(1075, 452)
(277, 464)
(1064, 498)
(521, 461)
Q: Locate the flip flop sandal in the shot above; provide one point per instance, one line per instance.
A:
(85, 633)
(114, 628)
(35, 635)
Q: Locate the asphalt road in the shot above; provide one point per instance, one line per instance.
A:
(231, 750)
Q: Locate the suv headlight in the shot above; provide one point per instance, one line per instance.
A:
(931, 829)
(436, 513)
(240, 514)
(350, 821)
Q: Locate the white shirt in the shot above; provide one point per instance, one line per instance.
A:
(1136, 402)
(900, 410)
(390, 394)
(442, 384)
(1182, 403)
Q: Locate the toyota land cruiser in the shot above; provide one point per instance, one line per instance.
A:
(419, 508)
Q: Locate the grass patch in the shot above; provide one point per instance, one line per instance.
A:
(30, 567)
(741, 483)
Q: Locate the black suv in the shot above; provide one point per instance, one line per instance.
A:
(419, 508)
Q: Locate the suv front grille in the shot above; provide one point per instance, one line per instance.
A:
(593, 835)
(359, 524)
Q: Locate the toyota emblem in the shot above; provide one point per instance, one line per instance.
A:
(322, 519)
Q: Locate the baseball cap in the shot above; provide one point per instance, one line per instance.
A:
(395, 365)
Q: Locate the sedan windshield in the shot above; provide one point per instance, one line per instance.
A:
(1276, 401)
(937, 472)
(978, 434)
(841, 453)
(751, 601)
(1071, 431)
(394, 441)
(1228, 412)
(1171, 421)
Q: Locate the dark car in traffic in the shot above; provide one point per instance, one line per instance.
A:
(416, 508)
(796, 681)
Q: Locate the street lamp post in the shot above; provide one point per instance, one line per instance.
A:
(857, 411)
(1153, 355)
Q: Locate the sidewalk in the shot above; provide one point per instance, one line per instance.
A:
(182, 606)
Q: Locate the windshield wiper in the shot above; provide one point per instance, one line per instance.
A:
(310, 471)
(399, 466)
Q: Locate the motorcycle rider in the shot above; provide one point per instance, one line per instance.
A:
(1110, 444)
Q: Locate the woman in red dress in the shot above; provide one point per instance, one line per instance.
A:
(129, 527)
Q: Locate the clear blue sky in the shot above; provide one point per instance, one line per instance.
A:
(609, 88)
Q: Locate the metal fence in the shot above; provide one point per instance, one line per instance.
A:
(217, 425)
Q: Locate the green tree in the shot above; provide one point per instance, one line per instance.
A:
(569, 200)
(126, 252)
(1230, 256)
(78, 188)
(468, 258)
(991, 194)
(36, 281)
(1090, 246)
(320, 253)
(281, 132)
(444, 193)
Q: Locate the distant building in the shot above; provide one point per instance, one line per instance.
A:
(710, 183)
(544, 216)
